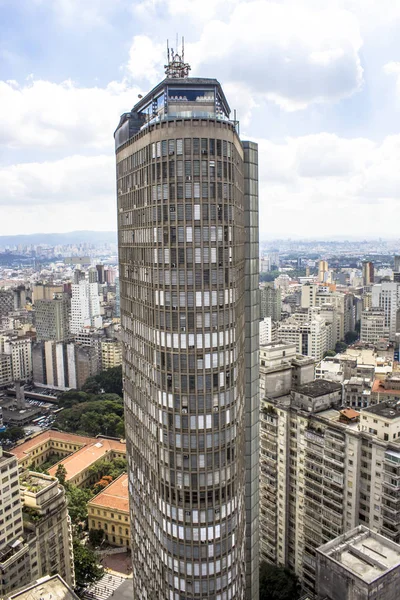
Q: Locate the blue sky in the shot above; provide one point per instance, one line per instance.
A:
(317, 84)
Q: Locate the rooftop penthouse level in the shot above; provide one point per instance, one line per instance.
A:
(358, 564)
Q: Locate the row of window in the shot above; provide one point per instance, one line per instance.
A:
(179, 146)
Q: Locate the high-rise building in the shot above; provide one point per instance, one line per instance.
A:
(46, 291)
(386, 295)
(36, 539)
(368, 273)
(85, 306)
(20, 350)
(324, 470)
(322, 271)
(271, 302)
(52, 319)
(6, 302)
(373, 325)
(117, 301)
(100, 273)
(188, 249)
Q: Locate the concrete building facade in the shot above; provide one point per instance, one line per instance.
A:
(35, 532)
(386, 296)
(359, 564)
(109, 512)
(52, 319)
(187, 218)
(271, 302)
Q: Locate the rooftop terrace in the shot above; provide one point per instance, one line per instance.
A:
(363, 552)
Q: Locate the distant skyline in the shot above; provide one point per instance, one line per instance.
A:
(316, 84)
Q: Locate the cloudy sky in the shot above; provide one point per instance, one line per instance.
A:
(315, 82)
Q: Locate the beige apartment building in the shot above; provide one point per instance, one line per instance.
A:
(111, 354)
(109, 512)
(35, 530)
(324, 470)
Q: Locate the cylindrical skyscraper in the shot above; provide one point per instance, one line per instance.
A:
(188, 249)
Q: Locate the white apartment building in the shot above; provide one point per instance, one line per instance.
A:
(20, 350)
(324, 471)
(313, 337)
(373, 325)
(85, 306)
(386, 296)
(343, 305)
(265, 331)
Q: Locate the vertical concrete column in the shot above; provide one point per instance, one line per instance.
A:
(252, 343)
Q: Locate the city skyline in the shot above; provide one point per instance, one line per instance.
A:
(321, 107)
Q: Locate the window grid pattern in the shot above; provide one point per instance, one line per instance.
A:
(181, 244)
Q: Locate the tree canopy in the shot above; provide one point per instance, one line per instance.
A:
(340, 347)
(87, 569)
(12, 433)
(278, 583)
(351, 337)
(103, 414)
(109, 381)
(77, 502)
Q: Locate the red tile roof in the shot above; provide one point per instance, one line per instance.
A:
(114, 496)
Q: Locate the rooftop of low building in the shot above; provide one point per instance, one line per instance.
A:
(46, 588)
(82, 459)
(389, 409)
(115, 495)
(364, 553)
(318, 387)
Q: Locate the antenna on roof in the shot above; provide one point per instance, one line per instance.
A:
(176, 67)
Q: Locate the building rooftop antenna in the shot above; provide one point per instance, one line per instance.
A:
(176, 67)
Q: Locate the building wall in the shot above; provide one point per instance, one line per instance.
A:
(51, 549)
(52, 319)
(335, 476)
(114, 523)
(111, 354)
(6, 302)
(5, 370)
(211, 294)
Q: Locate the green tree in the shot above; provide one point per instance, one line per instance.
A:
(61, 473)
(72, 397)
(96, 536)
(77, 502)
(330, 353)
(340, 347)
(87, 568)
(99, 416)
(15, 433)
(110, 380)
(350, 337)
(91, 386)
(278, 583)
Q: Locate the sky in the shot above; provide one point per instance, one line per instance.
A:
(315, 83)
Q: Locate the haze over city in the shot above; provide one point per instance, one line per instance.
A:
(317, 85)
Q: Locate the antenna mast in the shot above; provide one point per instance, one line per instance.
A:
(176, 67)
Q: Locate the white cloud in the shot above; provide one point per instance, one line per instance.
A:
(76, 179)
(44, 114)
(81, 13)
(393, 68)
(286, 53)
(146, 59)
(319, 184)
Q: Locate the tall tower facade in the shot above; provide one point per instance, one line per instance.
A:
(368, 273)
(188, 251)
